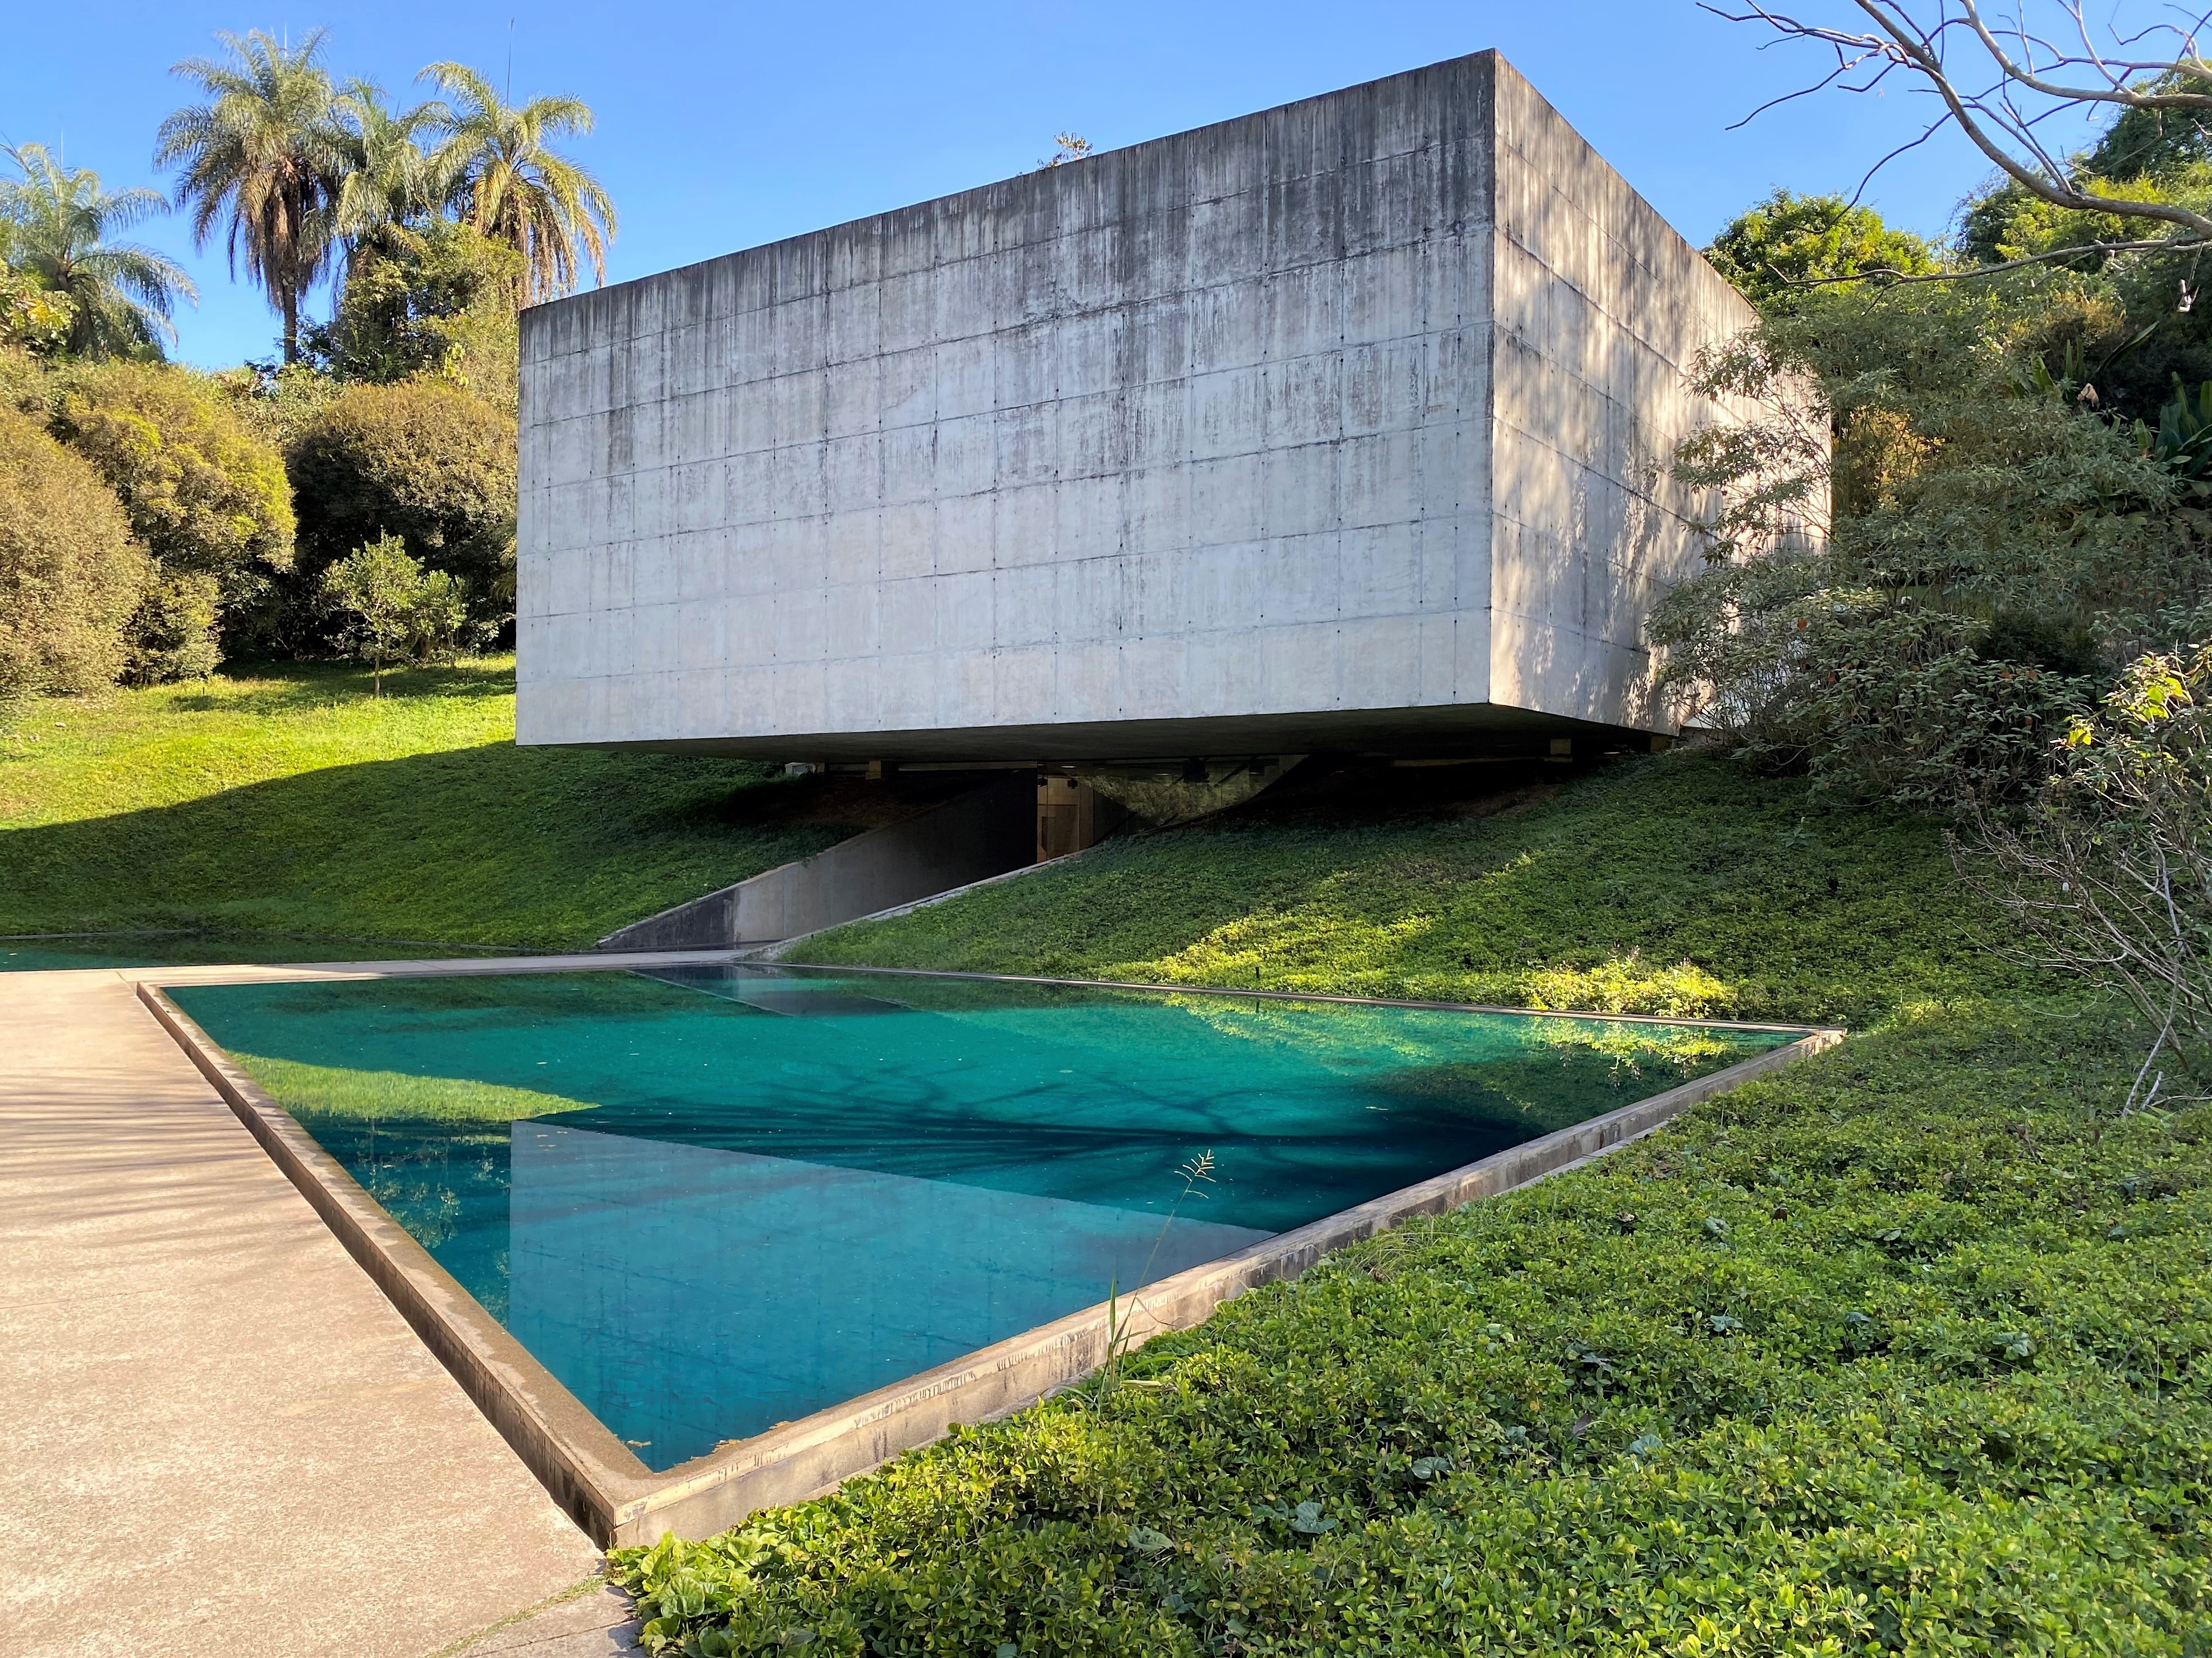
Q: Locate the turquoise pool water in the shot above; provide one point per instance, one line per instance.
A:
(712, 1200)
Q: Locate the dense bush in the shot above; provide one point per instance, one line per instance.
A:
(428, 463)
(33, 316)
(25, 385)
(208, 499)
(2145, 154)
(70, 575)
(1907, 1351)
(1918, 612)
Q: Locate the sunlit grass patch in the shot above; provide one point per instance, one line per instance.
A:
(328, 1091)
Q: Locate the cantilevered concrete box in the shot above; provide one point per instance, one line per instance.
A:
(1341, 425)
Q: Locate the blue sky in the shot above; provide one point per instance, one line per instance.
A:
(721, 126)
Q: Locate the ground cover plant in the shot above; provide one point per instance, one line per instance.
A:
(287, 800)
(1901, 1351)
(1676, 884)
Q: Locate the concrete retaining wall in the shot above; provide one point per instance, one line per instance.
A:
(1339, 425)
(986, 832)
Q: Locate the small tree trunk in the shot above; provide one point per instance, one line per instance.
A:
(291, 324)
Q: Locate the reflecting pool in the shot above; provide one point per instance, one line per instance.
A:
(711, 1199)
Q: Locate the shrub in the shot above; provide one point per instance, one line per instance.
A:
(25, 384)
(70, 575)
(33, 318)
(384, 605)
(427, 463)
(171, 633)
(2109, 876)
(208, 498)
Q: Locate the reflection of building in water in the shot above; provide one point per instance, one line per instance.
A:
(1338, 426)
(689, 1295)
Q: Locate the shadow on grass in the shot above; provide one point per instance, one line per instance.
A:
(494, 844)
(275, 687)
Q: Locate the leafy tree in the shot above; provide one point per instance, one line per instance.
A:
(2153, 140)
(209, 499)
(119, 295)
(507, 181)
(438, 300)
(263, 159)
(426, 462)
(386, 606)
(1790, 241)
(70, 575)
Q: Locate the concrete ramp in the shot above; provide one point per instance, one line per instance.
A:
(983, 833)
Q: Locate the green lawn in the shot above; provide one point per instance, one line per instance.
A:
(1667, 885)
(287, 800)
(1904, 1350)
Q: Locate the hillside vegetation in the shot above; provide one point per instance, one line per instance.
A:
(1675, 884)
(1905, 1350)
(287, 800)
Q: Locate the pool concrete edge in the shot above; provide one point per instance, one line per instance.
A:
(619, 1502)
(574, 1456)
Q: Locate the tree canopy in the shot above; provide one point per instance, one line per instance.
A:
(118, 297)
(261, 161)
(507, 180)
(1788, 241)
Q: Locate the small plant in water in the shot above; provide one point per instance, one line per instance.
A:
(1197, 1172)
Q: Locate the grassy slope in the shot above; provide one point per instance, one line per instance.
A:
(1906, 1349)
(289, 801)
(1667, 885)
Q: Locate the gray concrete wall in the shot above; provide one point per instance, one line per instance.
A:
(987, 831)
(1599, 307)
(1184, 448)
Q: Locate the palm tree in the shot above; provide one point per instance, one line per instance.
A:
(506, 183)
(266, 153)
(58, 222)
(386, 176)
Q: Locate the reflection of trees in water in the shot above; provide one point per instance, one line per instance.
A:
(1092, 1095)
(1552, 1089)
(1361, 1038)
(447, 1184)
(943, 1125)
(461, 1001)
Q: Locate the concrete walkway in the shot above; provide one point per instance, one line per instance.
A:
(219, 1437)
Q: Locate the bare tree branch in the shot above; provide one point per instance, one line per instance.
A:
(2035, 79)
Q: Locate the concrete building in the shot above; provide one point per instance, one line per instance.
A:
(1337, 426)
